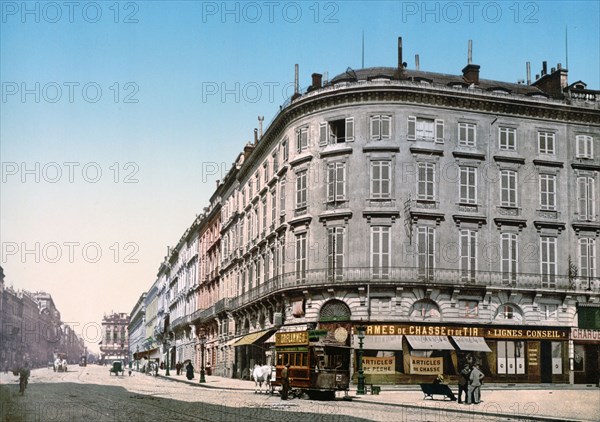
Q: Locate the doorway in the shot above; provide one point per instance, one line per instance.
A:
(546, 361)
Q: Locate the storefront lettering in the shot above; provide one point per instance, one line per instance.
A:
(379, 365)
(423, 365)
(525, 334)
(585, 334)
(423, 330)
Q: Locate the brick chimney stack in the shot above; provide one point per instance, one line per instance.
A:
(471, 71)
(552, 83)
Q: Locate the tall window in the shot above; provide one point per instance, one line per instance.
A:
(336, 131)
(510, 257)
(380, 179)
(275, 157)
(425, 251)
(548, 261)
(586, 201)
(285, 148)
(508, 188)
(584, 146)
(511, 357)
(282, 198)
(425, 129)
(264, 213)
(301, 189)
(587, 257)
(302, 139)
(301, 255)
(548, 192)
(546, 142)
(273, 206)
(426, 181)
(507, 138)
(468, 185)
(468, 254)
(466, 134)
(381, 127)
(380, 251)
(335, 252)
(336, 182)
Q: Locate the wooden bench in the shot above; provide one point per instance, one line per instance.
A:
(429, 390)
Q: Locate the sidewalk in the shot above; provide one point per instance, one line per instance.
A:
(542, 402)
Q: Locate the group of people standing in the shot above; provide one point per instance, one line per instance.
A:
(189, 369)
(469, 381)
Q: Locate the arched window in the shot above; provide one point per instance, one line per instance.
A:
(335, 310)
(425, 310)
(509, 313)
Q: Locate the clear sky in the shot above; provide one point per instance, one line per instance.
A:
(118, 117)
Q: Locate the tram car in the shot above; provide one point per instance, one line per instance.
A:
(319, 362)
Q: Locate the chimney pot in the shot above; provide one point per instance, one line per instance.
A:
(544, 68)
(528, 65)
(537, 77)
(559, 66)
(417, 64)
(255, 136)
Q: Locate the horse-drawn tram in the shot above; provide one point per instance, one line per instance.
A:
(319, 362)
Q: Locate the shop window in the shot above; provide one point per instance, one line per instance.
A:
(511, 357)
(557, 358)
(579, 358)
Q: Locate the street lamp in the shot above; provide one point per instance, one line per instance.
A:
(137, 361)
(166, 343)
(202, 345)
(361, 374)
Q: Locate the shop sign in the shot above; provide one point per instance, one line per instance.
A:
(379, 365)
(291, 338)
(584, 334)
(487, 332)
(424, 365)
(532, 354)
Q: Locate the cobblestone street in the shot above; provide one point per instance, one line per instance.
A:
(90, 394)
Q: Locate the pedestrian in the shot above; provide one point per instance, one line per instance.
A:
(24, 373)
(178, 367)
(285, 382)
(463, 382)
(475, 385)
(189, 371)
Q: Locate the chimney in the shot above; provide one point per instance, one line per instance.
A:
(552, 83)
(528, 65)
(417, 65)
(255, 136)
(400, 63)
(260, 126)
(296, 83)
(317, 80)
(471, 71)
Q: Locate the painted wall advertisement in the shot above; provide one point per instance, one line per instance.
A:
(379, 365)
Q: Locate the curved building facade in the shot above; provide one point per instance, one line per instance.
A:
(456, 218)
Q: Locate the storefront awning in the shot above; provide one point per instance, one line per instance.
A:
(252, 338)
(471, 344)
(271, 339)
(230, 342)
(144, 354)
(391, 342)
(429, 342)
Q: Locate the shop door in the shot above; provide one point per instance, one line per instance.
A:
(592, 372)
(546, 361)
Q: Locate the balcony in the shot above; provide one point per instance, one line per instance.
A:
(416, 277)
(380, 203)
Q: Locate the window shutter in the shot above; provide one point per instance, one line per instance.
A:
(439, 131)
(331, 182)
(340, 182)
(386, 127)
(350, 129)
(375, 128)
(323, 134)
(412, 128)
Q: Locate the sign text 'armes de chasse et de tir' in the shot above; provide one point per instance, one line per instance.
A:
(487, 332)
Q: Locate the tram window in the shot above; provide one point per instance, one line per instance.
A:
(280, 359)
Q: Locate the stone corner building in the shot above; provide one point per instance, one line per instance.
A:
(115, 338)
(455, 217)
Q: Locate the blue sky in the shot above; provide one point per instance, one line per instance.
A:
(157, 126)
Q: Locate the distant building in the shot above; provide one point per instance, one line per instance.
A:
(115, 339)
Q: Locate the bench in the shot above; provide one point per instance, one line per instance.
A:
(429, 390)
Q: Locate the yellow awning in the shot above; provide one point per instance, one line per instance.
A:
(252, 338)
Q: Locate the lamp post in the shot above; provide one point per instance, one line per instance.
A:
(167, 373)
(202, 345)
(361, 375)
(137, 361)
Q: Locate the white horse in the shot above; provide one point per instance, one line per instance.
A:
(261, 374)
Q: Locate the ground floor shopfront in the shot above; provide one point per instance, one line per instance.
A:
(585, 358)
(416, 353)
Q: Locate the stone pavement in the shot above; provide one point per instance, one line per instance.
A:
(542, 402)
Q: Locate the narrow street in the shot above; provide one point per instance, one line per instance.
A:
(91, 394)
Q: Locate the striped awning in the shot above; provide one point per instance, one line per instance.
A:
(471, 344)
(253, 337)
